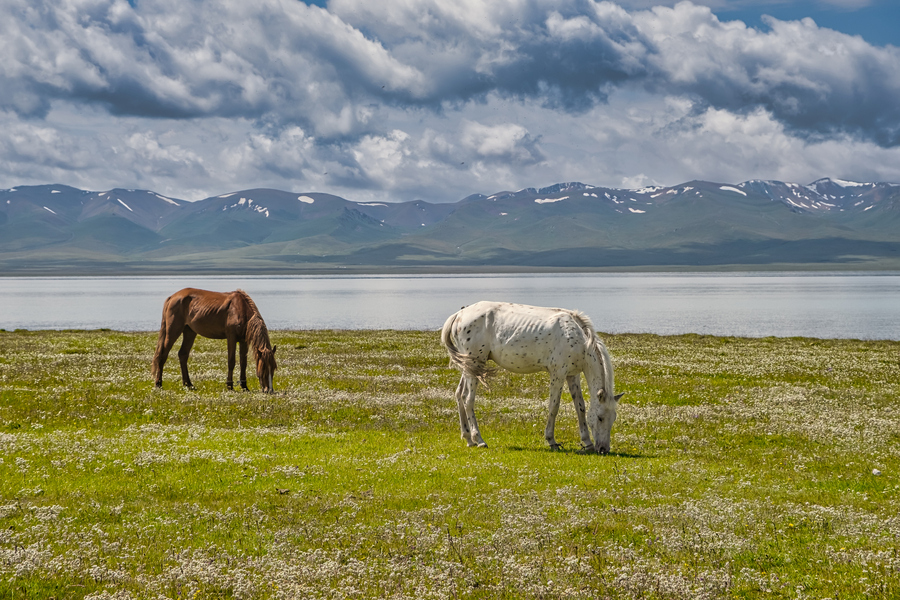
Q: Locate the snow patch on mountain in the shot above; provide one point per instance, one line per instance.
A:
(648, 190)
(728, 188)
(169, 200)
(845, 183)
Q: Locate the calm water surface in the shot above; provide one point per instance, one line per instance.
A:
(813, 305)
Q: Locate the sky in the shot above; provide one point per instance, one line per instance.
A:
(399, 100)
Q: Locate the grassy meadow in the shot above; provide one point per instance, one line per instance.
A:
(740, 468)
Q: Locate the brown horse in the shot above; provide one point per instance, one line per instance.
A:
(231, 316)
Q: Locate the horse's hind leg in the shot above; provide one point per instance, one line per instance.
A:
(574, 382)
(183, 353)
(465, 396)
(163, 346)
(462, 391)
(168, 335)
(556, 385)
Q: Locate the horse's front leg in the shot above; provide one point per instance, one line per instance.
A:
(184, 353)
(469, 385)
(243, 349)
(556, 386)
(574, 382)
(232, 342)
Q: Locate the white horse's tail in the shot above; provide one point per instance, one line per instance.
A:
(463, 362)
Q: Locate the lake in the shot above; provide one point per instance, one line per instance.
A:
(831, 305)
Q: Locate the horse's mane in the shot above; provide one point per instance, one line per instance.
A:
(596, 346)
(587, 326)
(257, 334)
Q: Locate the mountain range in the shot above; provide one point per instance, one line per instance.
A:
(829, 223)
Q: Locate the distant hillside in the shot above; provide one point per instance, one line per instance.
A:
(829, 223)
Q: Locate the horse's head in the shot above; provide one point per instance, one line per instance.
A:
(265, 368)
(601, 417)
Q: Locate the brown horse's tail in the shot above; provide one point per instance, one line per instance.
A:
(160, 344)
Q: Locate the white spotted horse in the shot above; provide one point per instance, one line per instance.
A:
(529, 339)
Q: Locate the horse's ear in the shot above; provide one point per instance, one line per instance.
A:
(619, 396)
(274, 348)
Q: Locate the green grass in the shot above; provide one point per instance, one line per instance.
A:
(740, 468)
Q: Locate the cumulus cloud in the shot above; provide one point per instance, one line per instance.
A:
(168, 160)
(26, 146)
(297, 63)
(816, 81)
(571, 55)
(400, 98)
(507, 142)
(165, 58)
(285, 153)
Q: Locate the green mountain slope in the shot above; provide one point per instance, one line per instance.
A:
(569, 225)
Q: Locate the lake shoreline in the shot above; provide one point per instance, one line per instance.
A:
(823, 305)
(276, 333)
(892, 267)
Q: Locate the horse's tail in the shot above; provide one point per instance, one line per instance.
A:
(457, 359)
(463, 362)
(160, 343)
